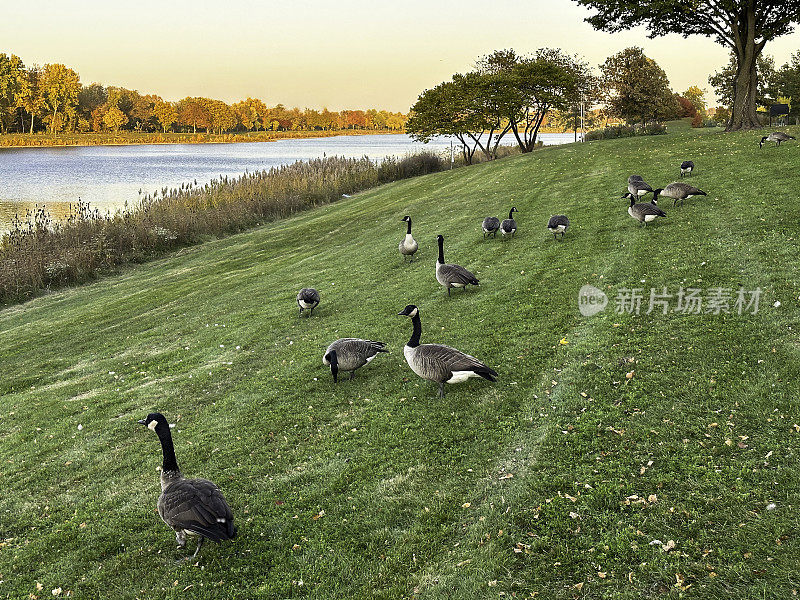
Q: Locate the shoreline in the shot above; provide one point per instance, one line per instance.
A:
(88, 140)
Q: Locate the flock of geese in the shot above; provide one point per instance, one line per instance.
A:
(678, 191)
(197, 507)
(434, 362)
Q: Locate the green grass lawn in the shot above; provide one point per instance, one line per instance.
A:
(602, 435)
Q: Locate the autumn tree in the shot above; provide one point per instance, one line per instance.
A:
(59, 86)
(396, 121)
(245, 114)
(90, 99)
(744, 26)
(31, 99)
(685, 107)
(114, 118)
(221, 117)
(636, 88)
(165, 114)
(697, 97)
(12, 81)
(192, 112)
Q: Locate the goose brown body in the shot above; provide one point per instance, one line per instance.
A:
(189, 506)
(349, 354)
(678, 191)
(438, 362)
(450, 275)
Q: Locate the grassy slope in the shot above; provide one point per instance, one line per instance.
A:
(392, 467)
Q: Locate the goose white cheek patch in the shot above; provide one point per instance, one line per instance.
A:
(152, 425)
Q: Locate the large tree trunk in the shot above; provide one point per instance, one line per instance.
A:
(745, 83)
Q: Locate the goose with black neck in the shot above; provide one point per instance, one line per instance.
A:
(450, 275)
(189, 506)
(437, 362)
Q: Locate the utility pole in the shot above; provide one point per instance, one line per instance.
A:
(583, 130)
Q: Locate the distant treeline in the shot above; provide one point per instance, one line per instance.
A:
(53, 99)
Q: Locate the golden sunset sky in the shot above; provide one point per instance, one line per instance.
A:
(314, 53)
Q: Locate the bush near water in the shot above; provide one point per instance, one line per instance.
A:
(39, 254)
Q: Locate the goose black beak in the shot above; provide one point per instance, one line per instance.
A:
(142, 422)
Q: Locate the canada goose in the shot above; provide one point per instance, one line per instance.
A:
(687, 167)
(307, 298)
(440, 363)
(349, 354)
(409, 245)
(638, 188)
(509, 225)
(189, 506)
(451, 275)
(777, 137)
(644, 212)
(558, 224)
(490, 226)
(678, 191)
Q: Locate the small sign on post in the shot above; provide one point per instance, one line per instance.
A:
(778, 110)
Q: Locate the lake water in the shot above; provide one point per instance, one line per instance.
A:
(109, 176)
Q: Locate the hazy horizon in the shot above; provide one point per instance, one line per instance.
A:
(348, 54)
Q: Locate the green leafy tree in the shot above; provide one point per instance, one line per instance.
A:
(531, 87)
(59, 86)
(744, 26)
(787, 82)
(636, 88)
(723, 81)
(461, 108)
